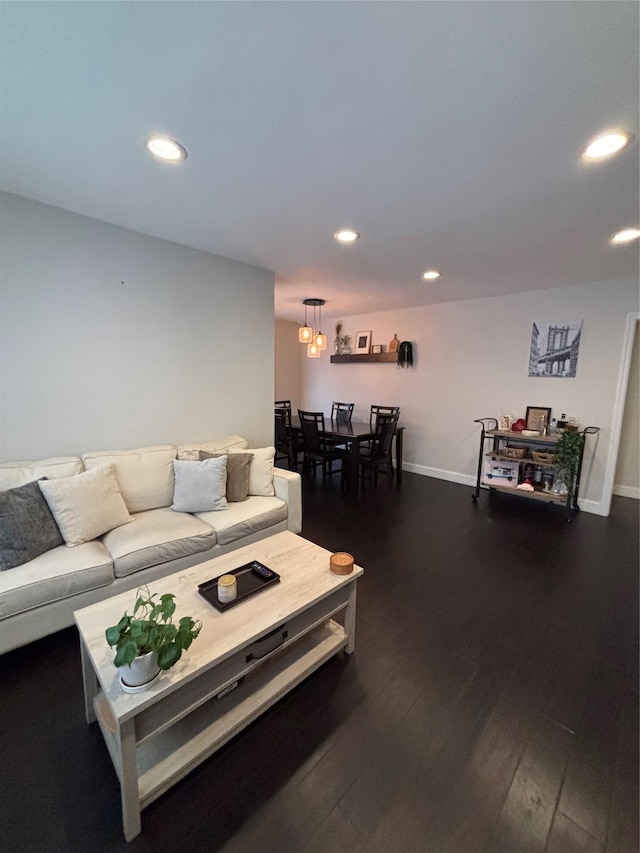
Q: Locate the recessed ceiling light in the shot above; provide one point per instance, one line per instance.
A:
(165, 149)
(606, 145)
(626, 236)
(430, 275)
(346, 235)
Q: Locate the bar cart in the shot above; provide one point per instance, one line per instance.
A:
(507, 459)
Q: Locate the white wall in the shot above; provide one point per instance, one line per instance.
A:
(471, 361)
(110, 338)
(288, 363)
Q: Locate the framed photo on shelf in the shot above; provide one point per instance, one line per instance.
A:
(376, 348)
(534, 413)
(363, 342)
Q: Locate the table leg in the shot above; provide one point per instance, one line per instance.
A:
(355, 466)
(90, 681)
(350, 620)
(129, 794)
(399, 456)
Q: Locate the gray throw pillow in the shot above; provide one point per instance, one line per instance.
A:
(27, 527)
(200, 486)
(238, 467)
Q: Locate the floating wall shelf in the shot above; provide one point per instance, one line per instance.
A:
(372, 356)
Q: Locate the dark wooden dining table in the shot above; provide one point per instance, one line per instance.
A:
(354, 433)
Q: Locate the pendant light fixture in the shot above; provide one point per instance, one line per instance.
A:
(319, 339)
(306, 334)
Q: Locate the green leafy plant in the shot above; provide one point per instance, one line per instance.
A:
(567, 456)
(151, 629)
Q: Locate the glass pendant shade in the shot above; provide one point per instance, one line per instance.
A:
(305, 334)
(313, 351)
(320, 341)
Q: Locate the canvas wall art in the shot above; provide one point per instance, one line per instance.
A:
(554, 349)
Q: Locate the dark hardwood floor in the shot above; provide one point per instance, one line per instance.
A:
(491, 704)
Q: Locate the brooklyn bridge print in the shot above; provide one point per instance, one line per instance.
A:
(554, 349)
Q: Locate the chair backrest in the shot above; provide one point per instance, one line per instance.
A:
(282, 404)
(341, 413)
(312, 426)
(385, 428)
(282, 429)
(382, 410)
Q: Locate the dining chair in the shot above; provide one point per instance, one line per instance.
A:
(287, 443)
(382, 410)
(282, 404)
(317, 450)
(378, 456)
(342, 413)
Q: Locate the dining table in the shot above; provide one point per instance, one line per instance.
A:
(356, 433)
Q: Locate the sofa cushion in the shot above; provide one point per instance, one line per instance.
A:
(260, 470)
(27, 528)
(58, 574)
(238, 467)
(200, 486)
(145, 475)
(157, 536)
(14, 474)
(87, 505)
(245, 518)
(191, 452)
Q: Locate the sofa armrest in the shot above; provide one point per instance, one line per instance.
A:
(288, 487)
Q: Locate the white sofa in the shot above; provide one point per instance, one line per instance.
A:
(39, 597)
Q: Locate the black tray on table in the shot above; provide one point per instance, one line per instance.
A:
(249, 579)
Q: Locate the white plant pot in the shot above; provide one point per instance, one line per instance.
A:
(140, 673)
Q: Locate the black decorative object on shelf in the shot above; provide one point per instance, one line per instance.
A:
(405, 354)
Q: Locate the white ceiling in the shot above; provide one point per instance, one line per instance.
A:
(447, 133)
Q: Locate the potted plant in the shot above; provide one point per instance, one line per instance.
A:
(147, 641)
(568, 451)
(341, 343)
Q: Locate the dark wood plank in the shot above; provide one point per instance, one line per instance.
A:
(527, 814)
(568, 837)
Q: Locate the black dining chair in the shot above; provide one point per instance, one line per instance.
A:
(317, 450)
(342, 413)
(373, 417)
(381, 410)
(282, 404)
(378, 457)
(288, 444)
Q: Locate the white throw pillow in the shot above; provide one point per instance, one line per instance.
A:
(260, 470)
(200, 486)
(87, 505)
(145, 475)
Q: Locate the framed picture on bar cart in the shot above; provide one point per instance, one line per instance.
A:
(536, 415)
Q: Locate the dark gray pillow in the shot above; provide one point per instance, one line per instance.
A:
(238, 465)
(27, 527)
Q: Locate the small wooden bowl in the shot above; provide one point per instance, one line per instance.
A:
(341, 563)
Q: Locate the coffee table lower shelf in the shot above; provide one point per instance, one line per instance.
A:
(164, 758)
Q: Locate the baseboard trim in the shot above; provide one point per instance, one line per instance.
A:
(440, 474)
(592, 507)
(627, 492)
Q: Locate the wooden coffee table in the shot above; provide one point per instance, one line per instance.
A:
(156, 737)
